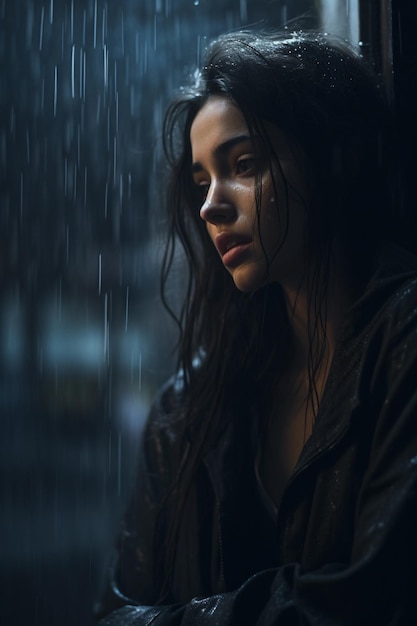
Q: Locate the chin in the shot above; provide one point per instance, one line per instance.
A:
(249, 279)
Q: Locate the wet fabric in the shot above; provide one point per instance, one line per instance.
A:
(344, 548)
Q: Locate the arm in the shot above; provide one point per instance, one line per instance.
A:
(132, 571)
(376, 587)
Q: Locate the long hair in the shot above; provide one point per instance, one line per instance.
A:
(330, 105)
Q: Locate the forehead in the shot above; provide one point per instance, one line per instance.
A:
(218, 120)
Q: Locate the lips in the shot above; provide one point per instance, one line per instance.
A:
(226, 241)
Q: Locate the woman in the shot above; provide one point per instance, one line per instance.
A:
(278, 478)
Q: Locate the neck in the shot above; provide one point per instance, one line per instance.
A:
(326, 324)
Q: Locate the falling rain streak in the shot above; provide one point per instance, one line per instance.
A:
(73, 72)
(126, 308)
(99, 274)
(41, 29)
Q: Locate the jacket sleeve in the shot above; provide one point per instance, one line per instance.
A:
(132, 572)
(379, 584)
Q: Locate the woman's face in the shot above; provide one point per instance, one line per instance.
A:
(225, 163)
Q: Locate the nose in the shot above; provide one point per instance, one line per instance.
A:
(218, 207)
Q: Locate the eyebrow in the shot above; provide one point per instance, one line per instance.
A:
(222, 149)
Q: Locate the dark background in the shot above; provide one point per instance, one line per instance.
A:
(84, 341)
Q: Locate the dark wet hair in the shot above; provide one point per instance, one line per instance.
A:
(331, 105)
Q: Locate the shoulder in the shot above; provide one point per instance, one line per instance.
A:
(390, 332)
(389, 300)
(399, 312)
(381, 329)
(164, 430)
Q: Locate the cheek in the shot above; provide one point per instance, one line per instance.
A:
(270, 220)
(272, 194)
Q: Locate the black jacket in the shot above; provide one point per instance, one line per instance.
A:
(344, 549)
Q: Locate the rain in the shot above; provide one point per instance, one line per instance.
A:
(85, 342)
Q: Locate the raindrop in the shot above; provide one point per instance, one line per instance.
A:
(127, 73)
(121, 191)
(75, 184)
(119, 463)
(137, 48)
(115, 78)
(114, 159)
(110, 447)
(104, 26)
(106, 328)
(73, 72)
(243, 10)
(198, 49)
(99, 274)
(196, 3)
(12, 122)
(98, 109)
(85, 186)
(72, 21)
(83, 68)
(41, 29)
(105, 65)
(126, 308)
(21, 196)
(29, 26)
(145, 57)
(84, 25)
(51, 12)
(55, 88)
(95, 25)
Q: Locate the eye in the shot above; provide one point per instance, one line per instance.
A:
(246, 165)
